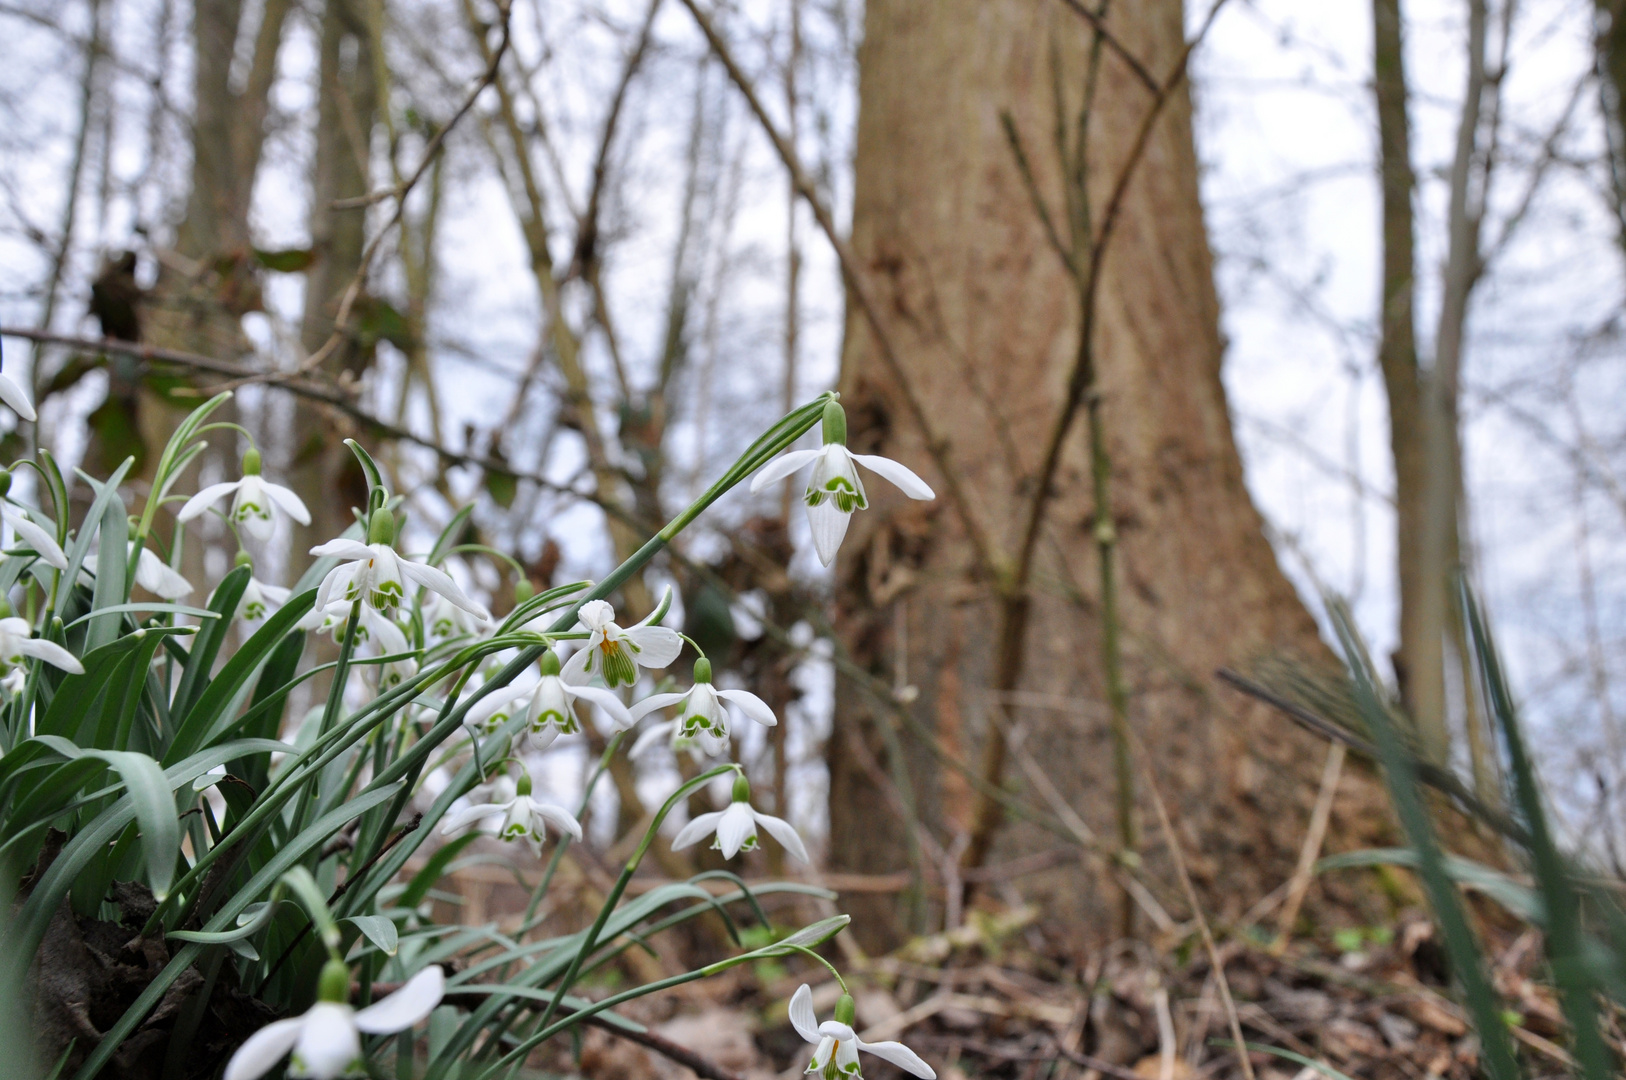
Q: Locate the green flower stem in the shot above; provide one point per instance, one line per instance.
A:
(541, 889)
(519, 1052)
(335, 701)
(614, 897)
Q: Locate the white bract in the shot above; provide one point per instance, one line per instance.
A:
(524, 818)
(614, 654)
(17, 644)
(152, 574)
(552, 711)
(375, 573)
(253, 499)
(325, 1042)
(702, 715)
(43, 543)
(835, 1056)
(834, 490)
(736, 827)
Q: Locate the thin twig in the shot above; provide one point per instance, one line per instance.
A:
(353, 291)
(1304, 873)
(1098, 24)
(1214, 960)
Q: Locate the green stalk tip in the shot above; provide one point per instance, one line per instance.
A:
(702, 670)
(334, 984)
(251, 462)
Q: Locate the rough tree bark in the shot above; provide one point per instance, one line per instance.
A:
(986, 321)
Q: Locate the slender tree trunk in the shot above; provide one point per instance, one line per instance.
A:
(324, 471)
(987, 321)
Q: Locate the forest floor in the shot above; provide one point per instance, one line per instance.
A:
(984, 1001)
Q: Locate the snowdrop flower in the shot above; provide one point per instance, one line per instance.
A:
(252, 500)
(552, 710)
(259, 599)
(736, 827)
(17, 644)
(496, 709)
(702, 715)
(523, 817)
(836, 1056)
(377, 574)
(153, 574)
(617, 654)
(444, 620)
(326, 1040)
(834, 491)
(383, 632)
(43, 543)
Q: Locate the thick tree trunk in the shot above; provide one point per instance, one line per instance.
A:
(986, 320)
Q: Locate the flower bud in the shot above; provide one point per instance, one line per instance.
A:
(243, 559)
(549, 663)
(835, 423)
(251, 462)
(522, 786)
(523, 590)
(5, 481)
(702, 670)
(742, 788)
(334, 984)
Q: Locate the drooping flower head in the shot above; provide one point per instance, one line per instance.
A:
(834, 491)
(253, 501)
(552, 709)
(153, 574)
(702, 717)
(259, 598)
(325, 1042)
(736, 827)
(42, 542)
(614, 654)
(836, 1044)
(524, 818)
(376, 573)
(17, 645)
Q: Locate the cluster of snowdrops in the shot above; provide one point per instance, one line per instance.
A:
(426, 679)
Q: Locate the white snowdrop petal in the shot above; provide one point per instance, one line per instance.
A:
(782, 831)
(468, 815)
(406, 1006)
(657, 646)
(204, 499)
(328, 1043)
(437, 580)
(835, 1029)
(262, 1050)
(900, 475)
(654, 703)
(847, 1054)
(290, 503)
(751, 705)
(606, 700)
(802, 1017)
(596, 614)
(899, 1055)
(342, 548)
(574, 670)
(737, 826)
(560, 819)
(52, 654)
(43, 543)
(828, 525)
(13, 396)
(781, 467)
(697, 829)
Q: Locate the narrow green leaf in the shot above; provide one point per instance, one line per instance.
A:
(378, 930)
(112, 565)
(200, 664)
(154, 803)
